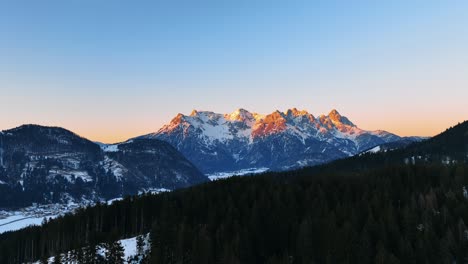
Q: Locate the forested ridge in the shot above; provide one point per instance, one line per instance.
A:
(367, 209)
(40, 164)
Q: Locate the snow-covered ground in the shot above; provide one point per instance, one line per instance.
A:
(223, 175)
(129, 245)
(111, 201)
(153, 190)
(375, 149)
(19, 221)
(33, 215)
(112, 147)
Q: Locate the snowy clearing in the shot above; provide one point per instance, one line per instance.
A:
(19, 221)
(129, 245)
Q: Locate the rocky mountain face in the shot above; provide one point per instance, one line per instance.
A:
(51, 164)
(278, 141)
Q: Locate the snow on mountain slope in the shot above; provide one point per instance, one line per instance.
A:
(373, 150)
(18, 221)
(280, 140)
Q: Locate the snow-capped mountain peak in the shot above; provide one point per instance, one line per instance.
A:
(194, 112)
(336, 118)
(241, 115)
(243, 139)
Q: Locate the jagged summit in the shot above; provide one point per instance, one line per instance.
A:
(194, 112)
(240, 111)
(240, 115)
(259, 125)
(202, 114)
(335, 116)
(243, 139)
(296, 113)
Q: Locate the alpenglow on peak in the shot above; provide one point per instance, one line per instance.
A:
(282, 139)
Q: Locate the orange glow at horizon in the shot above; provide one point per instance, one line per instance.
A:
(424, 127)
(111, 135)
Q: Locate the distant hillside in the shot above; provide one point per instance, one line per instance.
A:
(53, 165)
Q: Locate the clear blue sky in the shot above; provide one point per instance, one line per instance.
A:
(110, 70)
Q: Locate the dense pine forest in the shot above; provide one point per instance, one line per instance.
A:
(374, 208)
(403, 214)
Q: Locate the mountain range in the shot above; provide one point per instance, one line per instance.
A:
(41, 164)
(278, 141)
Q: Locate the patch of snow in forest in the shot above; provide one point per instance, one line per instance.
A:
(111, 201)
(223, 175)
(153, 190)
(129, 246)
(374, 150)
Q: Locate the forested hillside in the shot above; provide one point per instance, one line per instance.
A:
(449, 147)
(404, 214)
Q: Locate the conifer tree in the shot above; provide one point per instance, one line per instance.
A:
(90, 254)
(44, 260)
(140, 245)
(58, 259)
(78, 255)
(114, 253)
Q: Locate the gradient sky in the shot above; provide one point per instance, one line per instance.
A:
(110, 70)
